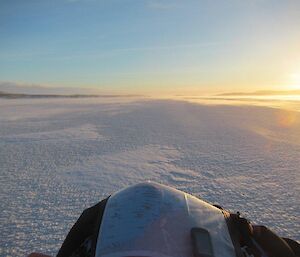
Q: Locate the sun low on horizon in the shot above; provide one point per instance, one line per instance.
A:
(151, 46)
(295, 81)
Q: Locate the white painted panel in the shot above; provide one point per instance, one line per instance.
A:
(153, 220)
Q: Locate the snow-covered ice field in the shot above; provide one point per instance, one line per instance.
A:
(59, 156)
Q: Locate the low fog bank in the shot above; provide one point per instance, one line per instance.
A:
(262, 93)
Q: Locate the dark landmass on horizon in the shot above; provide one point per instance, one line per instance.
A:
(17, 96)
(262, 93)
(236, 99)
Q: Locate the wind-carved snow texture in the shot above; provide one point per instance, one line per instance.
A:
(61, 156)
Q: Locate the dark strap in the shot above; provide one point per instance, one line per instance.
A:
(274, 245)
(233, 231)
(84, 233)
(295, 246)
(245, 229)
(256, 240)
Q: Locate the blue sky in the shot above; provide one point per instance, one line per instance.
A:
(151, 46)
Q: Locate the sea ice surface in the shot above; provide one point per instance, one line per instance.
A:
(60, 156)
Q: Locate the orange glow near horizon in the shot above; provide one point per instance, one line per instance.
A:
(286, 119)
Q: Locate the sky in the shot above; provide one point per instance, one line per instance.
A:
(151, 46)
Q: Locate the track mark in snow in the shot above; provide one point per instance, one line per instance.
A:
(114, 171)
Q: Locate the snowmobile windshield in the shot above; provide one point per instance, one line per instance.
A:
(156, 221)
